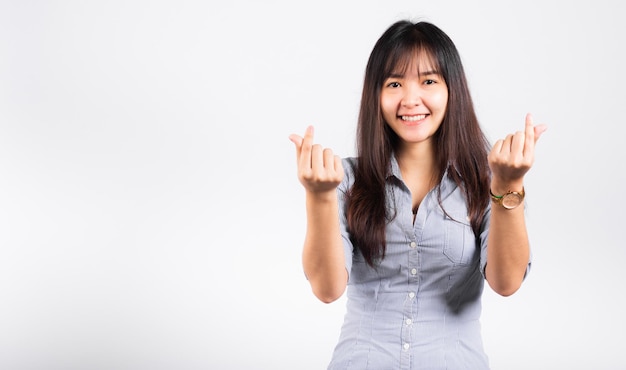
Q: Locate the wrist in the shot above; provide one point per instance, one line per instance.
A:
(503, 187)
(329, 196)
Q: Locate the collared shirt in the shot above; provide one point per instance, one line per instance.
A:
(420, 307)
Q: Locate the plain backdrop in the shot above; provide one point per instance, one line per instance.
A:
(150, 214)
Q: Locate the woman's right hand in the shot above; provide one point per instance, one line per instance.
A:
(319, 170)
(323, 260)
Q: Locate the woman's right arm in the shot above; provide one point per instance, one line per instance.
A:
(320, 172)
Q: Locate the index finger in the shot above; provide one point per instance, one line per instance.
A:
(529, 131)
(305, 149)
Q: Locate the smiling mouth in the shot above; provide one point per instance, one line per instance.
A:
(419, 117)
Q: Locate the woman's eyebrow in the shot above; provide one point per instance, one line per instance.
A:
(428, 73)
(421, 74)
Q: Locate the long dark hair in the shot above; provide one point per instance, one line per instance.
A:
(461, 146)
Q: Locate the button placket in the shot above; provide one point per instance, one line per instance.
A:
(410, 302)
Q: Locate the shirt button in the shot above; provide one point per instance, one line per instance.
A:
(413, 244)
(413, 271)
(411, 295)
(409, 321)
(405, 346)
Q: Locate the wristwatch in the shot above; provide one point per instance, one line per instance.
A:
(510, 200)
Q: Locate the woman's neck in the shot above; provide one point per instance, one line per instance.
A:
(415, 159)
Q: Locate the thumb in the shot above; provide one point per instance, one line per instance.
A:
(296, 139)
(539, 129)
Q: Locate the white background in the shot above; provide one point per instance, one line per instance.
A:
(150, 214)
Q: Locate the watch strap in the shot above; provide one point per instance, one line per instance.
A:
(498, 199)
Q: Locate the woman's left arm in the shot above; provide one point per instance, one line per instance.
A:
(508, 250)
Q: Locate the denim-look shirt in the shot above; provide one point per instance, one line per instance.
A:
(420, 307)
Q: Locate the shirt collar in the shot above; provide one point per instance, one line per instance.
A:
(394, 168)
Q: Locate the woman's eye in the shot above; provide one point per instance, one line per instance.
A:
(393, 84)
(429, 82)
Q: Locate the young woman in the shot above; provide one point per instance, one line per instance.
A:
(421, 217)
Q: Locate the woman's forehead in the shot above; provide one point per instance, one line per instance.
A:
(416, 61)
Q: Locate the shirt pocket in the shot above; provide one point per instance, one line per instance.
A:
(459, 241)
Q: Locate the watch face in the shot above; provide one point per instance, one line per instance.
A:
(511, 200)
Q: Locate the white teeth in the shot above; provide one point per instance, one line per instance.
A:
(414, 118)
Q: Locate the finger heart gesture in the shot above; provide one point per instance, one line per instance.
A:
(511, 158)
(319, 169)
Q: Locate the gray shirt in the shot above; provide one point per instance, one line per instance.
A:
(420, 307)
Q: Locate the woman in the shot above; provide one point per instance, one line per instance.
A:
(408, 225)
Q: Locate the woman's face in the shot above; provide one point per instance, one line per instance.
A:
(414, 102)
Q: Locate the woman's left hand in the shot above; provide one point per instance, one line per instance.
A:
(511, 157)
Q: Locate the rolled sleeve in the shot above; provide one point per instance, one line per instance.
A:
(342, 190)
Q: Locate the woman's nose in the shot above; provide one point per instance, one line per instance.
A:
(412, 96)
